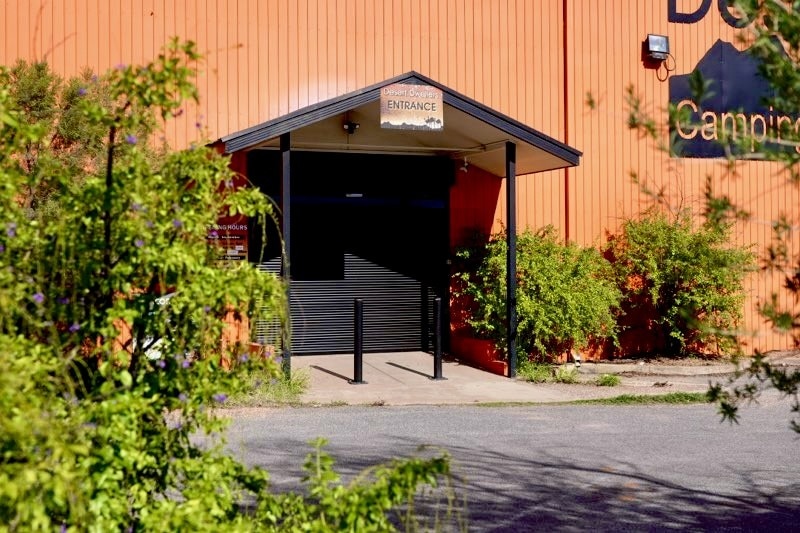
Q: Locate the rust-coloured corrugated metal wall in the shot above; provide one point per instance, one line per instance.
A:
(533, 60)
(265, 58)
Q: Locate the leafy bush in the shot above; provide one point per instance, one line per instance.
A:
(607, 380)
(96, 425)
(688, 278)
(566, 295)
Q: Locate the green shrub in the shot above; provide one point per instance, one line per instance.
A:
(535, 372)
(566, 295)
(607, 380)
(565, 375)
(687, 277)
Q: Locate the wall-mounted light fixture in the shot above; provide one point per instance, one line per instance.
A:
(655, 54)
(657, 47)
(350, 127)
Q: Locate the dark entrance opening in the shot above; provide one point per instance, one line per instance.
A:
(363, 226)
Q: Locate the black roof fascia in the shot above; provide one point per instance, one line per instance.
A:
(308, 115)
(505, 123)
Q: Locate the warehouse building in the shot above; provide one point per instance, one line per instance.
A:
(389, 131)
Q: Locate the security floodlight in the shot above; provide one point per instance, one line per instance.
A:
(657, 47)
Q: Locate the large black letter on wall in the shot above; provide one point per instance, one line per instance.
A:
(725, 13)
(673, 15)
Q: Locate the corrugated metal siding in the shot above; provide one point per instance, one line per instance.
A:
(266, 58)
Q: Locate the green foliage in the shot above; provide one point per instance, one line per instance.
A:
(534, 372)
(565, 294)
(692, 277)
(363, 504)
(104, 377)
(748, 383)
(564, 374)
(66, 138)
(263, 389)
(607, 380)
(650, 399)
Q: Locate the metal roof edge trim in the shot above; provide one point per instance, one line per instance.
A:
(308, 115)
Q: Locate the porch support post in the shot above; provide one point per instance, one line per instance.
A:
(286, 173)
(511, 259)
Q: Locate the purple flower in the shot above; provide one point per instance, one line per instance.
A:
(2, 248)
(63, 300)
(63, 528)
(121, 66)
(278, 360)
(149, 224)
(186, 363)
(176, 223)
(220, 397)
(74, 327)
(38, 298)
(161, 363)
(182, 397)
(70, 398)
(136, 206)
(82, 91)
(206, 308)
(11, 229)
(243, 358)
(94, 78)
(131, 138)
(138, 243)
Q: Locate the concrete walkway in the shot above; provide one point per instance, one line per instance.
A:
(405, 378)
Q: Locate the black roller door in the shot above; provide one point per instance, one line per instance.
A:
(373, 227)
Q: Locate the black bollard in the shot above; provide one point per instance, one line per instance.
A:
(437, 338)
(358, 342)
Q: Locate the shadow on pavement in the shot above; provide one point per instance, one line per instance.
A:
(508, 493)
